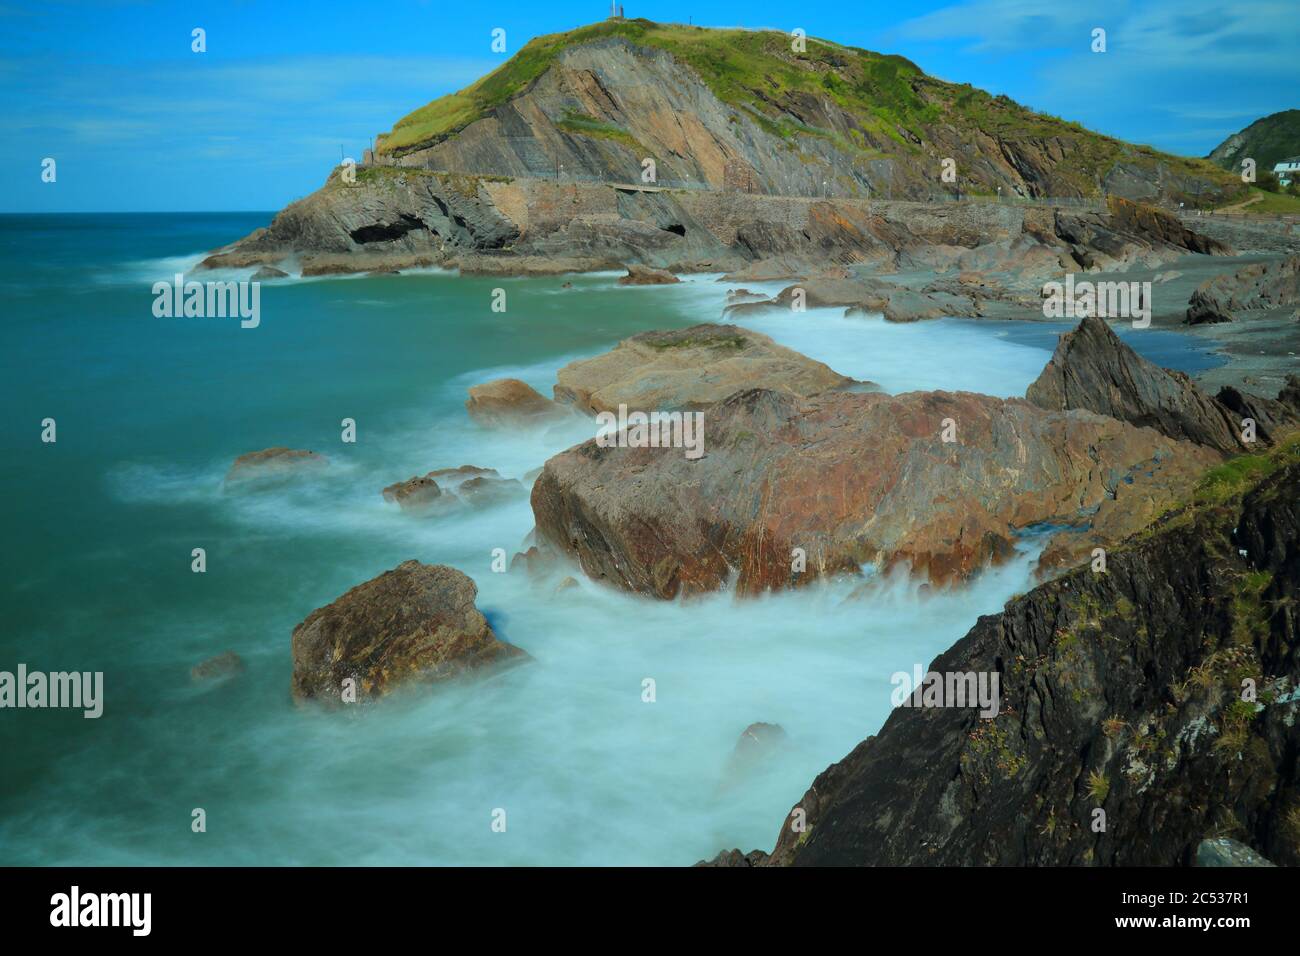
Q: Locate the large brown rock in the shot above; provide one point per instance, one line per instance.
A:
(1093, 369)
(849, 478)
(509, 402)
(689, 369)
(414, 624)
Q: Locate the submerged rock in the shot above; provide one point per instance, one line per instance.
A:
(645, 275)
(272, 464)
(414, 624)
(758, 742)
(414, 494)
(689, 369)
(220, 667)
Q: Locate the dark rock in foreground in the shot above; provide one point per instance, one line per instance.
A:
(1120, 692)
(414, 624)
(736, 858)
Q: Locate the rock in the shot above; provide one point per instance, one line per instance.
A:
(509, 402)
(1093, 369)
(1119, 691)
(566, 584)
(1259, 286)
(273, 464)
(269, 272)
(414, 624)
(220, 667)
(454, 476)
(537, 562)
(414, 494)
(757, 743)
(483, 491)
(689, 369)
(1224, 851)
(737, 296)
(736, 858)
(850, 478)
(644, 275)
(1130, 235)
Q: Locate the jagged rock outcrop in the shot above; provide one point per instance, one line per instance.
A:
(1256, 287)
(272, 465)
(848, 478)
(1092, 368)
(414, 624)
(1131, 234)
(1121, 692)
(689, 369)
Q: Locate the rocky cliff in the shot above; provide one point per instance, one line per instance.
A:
(1143, 709)
(766, 112)
(758, 150)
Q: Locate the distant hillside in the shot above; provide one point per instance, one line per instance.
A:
(740, 108)
(1266, 141)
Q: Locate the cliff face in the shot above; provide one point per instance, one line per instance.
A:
(747, 109)
(759, 151)
(1121, 691)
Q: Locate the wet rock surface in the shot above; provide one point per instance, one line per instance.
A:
(848, 478)
(689, 369)
(1120, 691)
(415, 624)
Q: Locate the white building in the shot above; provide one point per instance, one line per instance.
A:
(1287, 169)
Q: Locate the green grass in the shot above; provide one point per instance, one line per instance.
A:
(574, 122)
(1240, 474)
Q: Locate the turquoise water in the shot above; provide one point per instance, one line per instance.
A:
(150, 412)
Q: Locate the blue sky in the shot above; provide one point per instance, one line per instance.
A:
(136, 121)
